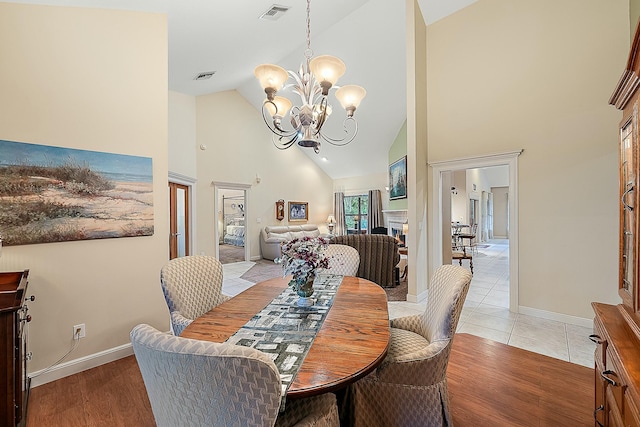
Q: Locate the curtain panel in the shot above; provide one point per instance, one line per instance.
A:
(374, 211)
(338, 209)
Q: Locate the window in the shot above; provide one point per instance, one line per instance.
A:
(355, 213)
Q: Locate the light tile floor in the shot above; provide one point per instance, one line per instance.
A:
(485, 313)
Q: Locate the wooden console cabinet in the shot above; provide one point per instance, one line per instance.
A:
(13, 357)
(617, 327)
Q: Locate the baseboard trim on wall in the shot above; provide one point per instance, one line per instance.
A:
(559, 317)
(75, 366)
(422, 296)
(256, 258)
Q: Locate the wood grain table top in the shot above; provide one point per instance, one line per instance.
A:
(353, 339)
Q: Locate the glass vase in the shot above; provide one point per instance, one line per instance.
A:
(305, 290)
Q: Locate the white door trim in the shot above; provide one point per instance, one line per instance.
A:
(217, 185)
(189, 182)
(435, 243)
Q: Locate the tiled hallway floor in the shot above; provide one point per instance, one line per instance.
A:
(485, 313)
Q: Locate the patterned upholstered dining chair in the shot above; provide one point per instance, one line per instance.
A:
(409, 388)
(192, 285)
(199, 383)
(343, 260)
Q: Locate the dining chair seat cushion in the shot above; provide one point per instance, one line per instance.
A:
(403, 343)
(315, 411)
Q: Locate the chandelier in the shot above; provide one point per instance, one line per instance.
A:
(312, 83)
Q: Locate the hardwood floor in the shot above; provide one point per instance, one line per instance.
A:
(490, 384)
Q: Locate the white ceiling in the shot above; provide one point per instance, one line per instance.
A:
(229, 38)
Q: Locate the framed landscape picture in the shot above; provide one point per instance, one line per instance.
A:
(298, 211)
(398, 179)
(56, 194)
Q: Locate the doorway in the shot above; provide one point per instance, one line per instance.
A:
(232, 243)
(441, 202)
(181, 215)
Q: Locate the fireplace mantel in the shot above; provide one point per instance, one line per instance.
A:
(393, 220)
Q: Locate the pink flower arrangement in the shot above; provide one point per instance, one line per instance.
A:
(302, 256)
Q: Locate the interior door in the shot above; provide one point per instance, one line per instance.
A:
(178, 220)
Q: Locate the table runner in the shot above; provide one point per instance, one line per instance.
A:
(284, 331)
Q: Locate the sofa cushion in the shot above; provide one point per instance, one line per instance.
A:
(297, 234)
(278, 237)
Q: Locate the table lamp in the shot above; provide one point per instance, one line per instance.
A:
(331, 222)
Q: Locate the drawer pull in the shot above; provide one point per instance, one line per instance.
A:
(607, 379)
(596, 339)
(595, 415)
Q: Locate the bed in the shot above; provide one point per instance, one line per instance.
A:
(234, 235)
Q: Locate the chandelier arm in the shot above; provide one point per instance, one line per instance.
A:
(322, 116)
(283, 145)
(339, 142)
(275, 129)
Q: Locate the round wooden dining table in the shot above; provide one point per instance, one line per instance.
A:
(352, 341)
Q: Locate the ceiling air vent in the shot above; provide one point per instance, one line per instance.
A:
(275, 12)
(204, 76)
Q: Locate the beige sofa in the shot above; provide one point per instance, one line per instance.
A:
(272, 236)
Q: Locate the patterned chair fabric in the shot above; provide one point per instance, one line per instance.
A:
(378, 256)
(343, 260)
(192, 285)
(199, 383)
(409, 388)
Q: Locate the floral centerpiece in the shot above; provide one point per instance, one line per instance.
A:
(300, 258)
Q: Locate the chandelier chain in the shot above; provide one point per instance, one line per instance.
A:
(308, 53)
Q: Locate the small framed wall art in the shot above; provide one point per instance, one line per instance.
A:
(298, 211)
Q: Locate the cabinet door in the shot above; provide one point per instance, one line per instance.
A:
(628, 235)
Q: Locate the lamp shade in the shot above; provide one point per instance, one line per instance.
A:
(331, 219)
(350, 96)
(327, 68)
(278, 107)
(405, 228)
(271, 76)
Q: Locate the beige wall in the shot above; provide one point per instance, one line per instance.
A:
(239, 147)
(182, 134)
(537, 76)
(94, 80)
(362, 184)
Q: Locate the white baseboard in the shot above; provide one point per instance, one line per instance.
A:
(559, 317)
(421, 297)
(255, 258)
(71, 367)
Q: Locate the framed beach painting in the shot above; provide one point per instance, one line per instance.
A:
(54, 194)
(398, 179)
(298, 211)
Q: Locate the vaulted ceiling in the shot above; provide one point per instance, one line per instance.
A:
(230, 39)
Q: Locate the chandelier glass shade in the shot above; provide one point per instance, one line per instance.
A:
(316, 77)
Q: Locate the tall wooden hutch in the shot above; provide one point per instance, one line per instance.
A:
(617, 327)
(14, 381)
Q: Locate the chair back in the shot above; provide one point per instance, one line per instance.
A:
(448, 290)
(198, 383)
(192, 284)
(343, 260)
(378, 256)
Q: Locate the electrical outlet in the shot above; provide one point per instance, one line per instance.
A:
(78, 331)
